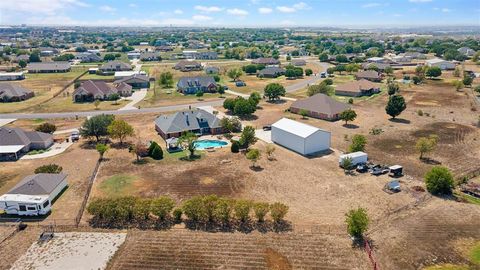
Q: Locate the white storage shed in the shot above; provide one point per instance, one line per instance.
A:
(357, 158)
(299, 137)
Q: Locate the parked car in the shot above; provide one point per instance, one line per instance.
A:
(379, 170)
(362, 168)
(240, 83)
(323, 75)
(268, 127)
(75, 136)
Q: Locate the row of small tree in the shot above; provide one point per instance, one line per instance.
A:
(131, 211)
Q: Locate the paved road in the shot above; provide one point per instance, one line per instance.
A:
(309, 80)
(218, 102)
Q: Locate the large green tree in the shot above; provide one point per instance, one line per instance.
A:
(439, 180)
(96, 126)
(187, 142)
(357, 222)
(120, 129)
(274, 91)
(395, 106)
(248, 137)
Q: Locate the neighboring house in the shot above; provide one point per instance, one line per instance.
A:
(13, 92)
(188, 54)
(149, 56)
(113, 66)
(442, 64)
(299, 137)
(357, 88)
(33, 195)
(205, 55)
(212, 70)
(415, 55)
(191, 85)
(164, 48)
(370, 75)
(48, 51)
(133, 55)
(271, 72)
(466, 51)
(135, 80)
(320, 106)
(299, 62)
(267, 61)
(401, 59)
(376, 60)
(91, 90)
(18, 58)
(15, 142)
(197, 121)
(48, 67)
(188, 66)
(380, 66)
(11, 76)
(88, 57)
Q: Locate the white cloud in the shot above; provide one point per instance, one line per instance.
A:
(106, 8)
(202, 18)
(265, 10)
(47, 7)
(294, 8)
(446, 10)
(237, 12)
(64, 20)
(178, 11)
(208, 9)
(133, 5)
(397, 15)
(370, 5)
(419, 1)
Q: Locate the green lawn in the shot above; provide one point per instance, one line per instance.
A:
(118, 185)
(447, 267)
(475, 254)
(468, 198)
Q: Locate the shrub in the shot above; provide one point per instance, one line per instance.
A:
(327, 81)
(358, 143)
(177, 215)
(210, 203)
(223, 210)
(261, 209)
(308, 72)
(420, 113)
(141, 209)
(357, 222)
(278, 211)
(162, 206)
(235, 148)
(50, 168)
(193, 209)
(199, 93)
(46, 128)
(155, 151)
(350, 101)
(242, 210)
(439, 180)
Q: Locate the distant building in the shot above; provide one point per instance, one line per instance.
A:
(320, 106)
(133, 55)
(188, 66)
(88, 57)
(48, 67)
(466, 51)
(212, 70)
(442, 64)
(269, 61)
(191, 85)
(271, 72)
(15, 142)
(135, 81)
(90, 90)
(14, 92)
(113, 66)
(197, 121)
(370, 75)
(11, 76)
(299, 62)
(150, 56)
(357, 88)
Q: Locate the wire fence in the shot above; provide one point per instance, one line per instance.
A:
(87, 194)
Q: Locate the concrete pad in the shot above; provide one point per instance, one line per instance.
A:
(55, 149)
(136, 97)
(264, 135)
(4, 122)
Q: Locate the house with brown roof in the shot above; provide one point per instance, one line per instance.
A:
(186, 66)
(370, 75)
(48, 67)
(13, 92)
(15, 142)
(91, 90)
(267, 61)
(320, 106)
(135, 81)
(113, 66)
(357, 88)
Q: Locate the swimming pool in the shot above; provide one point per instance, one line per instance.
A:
(204, 144)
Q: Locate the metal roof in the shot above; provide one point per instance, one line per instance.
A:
(9, 149)
(296, 128)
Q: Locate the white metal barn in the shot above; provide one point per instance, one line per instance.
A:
(300, 137)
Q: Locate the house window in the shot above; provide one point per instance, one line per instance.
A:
(46, 203)
(31, 208)
(22, 208)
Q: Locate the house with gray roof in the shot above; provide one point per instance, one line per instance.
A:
(197, 121)
(14, 142)
(90, 90)
(271, 72)
(135, 81)
(191, 85)
(10, 92)
(87, 57)
(267, 61)
(150, 56)
(48, 67)
(33, 195)
(113, 66)
(186, 66)
(320, 106)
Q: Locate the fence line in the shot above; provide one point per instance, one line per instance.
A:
(87, 194)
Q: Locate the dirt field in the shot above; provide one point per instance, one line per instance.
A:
(179, 249)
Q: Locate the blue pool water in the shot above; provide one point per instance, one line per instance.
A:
(203, 144)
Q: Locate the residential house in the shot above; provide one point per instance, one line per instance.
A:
(11, 76)
(13, 92)
(299, 62)
(150, 56)
(357, 88)
(133, 55)
(206, 55)
(135, 80)
(33, 195)
(113, 66)
(164, 48)
(212, 70)
(15, 142)
(468, 52)
(267, 61)
(370, 75)
(442, 64)
(91, 90)
(197, 121)
(21, 57)
(48, 67)
(48, 51)
(376, 60)
(88, 57)
(415, 55)
(320, 106)
(379, 66)
(271, 72)
(192, 85)
(186, 66)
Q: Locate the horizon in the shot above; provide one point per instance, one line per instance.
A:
(251, 14)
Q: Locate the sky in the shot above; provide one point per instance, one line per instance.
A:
(240, 13)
